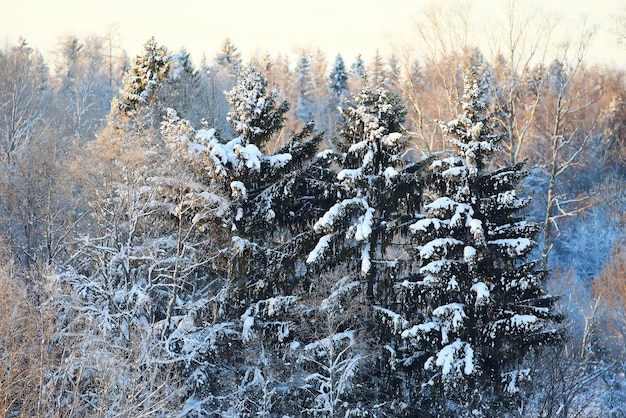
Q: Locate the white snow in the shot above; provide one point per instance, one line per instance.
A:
(364, 225)
(366, 263)
(507, 198)
(441, 203)
(452, 315)
(469, 254)
(238, 189)
(327, 153)
(420, 329)
(221, 159)
(389, 174)
(327, 221)
(439, 245)
(391, 139)
(523, 321)
(277, 160)
(476, 228)
(423, 224)
(367, 158)
(455, 172)
(357, 147)
(320, 249)
(239, 215)
(248, 323)
(398, 322)
(434, 267)
(351, 174)
(482, 293)
(514, 247)
(456, 357)
(462, 211)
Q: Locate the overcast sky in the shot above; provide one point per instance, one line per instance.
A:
(348, 27)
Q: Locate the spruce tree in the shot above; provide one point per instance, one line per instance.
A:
(359, 71)
(255, 114)
(377, 192)
(182, 85)
(477, 306)
(305, 103)
(361, 234)
(262, 204)
(339, 77)
(229, 58)
(377, 73)
(136, 99)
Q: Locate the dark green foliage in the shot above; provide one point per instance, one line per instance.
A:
(377, 192)
(264, 204)
(362, 235)
(477, 307)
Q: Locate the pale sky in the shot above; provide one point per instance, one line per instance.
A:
(348, 27)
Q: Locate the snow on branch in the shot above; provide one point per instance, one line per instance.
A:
(215, 158)
(454, 360)
(395, 320)
(320, 249)
(333, 303)
(439, 247)
(513, 247)
(339, 210)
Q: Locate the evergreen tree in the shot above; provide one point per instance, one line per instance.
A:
(255, 115)
(262, 204)
(339, 77)
(229, 58)
(477, 306)
(394, 73)
(359, 71)
(377, 73)
(305, 88)
(360, 235)
(137, 97)
(182, 86)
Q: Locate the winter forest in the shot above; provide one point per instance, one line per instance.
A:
(432, 235)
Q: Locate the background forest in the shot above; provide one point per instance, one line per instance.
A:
(310, 235)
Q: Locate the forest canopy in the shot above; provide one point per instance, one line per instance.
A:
(433, 236)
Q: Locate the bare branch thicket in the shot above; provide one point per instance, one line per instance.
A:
(566, 134)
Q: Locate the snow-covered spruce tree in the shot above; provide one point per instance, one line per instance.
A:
(256, 114)
(477, 306)
(229, 58)
(136, 99)
(264, 204)
(339, 77)
(378, 194)
(305, 105)
(359, 235)
(358, 70)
